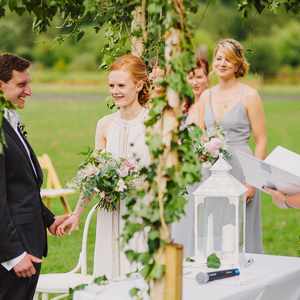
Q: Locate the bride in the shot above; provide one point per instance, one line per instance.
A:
(123, 134)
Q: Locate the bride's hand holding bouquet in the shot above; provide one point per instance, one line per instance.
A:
(103, 178)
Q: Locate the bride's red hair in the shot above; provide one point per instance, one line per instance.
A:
(137, 69)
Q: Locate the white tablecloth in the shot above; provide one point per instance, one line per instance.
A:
(268, 278)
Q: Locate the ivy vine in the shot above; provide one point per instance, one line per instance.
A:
(162, 200)
(4, 104)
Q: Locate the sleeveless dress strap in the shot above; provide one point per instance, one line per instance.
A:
(211, 108)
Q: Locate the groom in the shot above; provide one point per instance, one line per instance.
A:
(23, 216)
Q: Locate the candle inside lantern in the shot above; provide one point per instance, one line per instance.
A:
(228, 238)
(210, 235)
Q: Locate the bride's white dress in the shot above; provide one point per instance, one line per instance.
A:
(123, 139)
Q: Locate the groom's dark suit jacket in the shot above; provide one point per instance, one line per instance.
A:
(23, 216)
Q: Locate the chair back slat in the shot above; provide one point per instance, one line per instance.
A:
(52, 177)
(84, 243)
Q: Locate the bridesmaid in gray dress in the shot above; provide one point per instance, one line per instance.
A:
(238, 109)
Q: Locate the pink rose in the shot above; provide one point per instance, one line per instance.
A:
(213, 146)
(123, 171)
(125, 168)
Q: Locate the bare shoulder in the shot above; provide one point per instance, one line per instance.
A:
(251, 95)
(102, 128)
(105, 122)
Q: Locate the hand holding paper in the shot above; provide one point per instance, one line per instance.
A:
(280, 170)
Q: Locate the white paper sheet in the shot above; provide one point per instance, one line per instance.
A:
(279, 170)
(284, 159)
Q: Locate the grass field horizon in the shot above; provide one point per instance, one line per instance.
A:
(65, 126)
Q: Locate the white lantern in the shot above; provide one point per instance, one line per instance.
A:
(220, 203)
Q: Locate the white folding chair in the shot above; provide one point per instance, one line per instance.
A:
(60, 283)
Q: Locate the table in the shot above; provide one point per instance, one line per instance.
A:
(268, 278)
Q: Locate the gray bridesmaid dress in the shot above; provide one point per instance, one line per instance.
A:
(237, 130)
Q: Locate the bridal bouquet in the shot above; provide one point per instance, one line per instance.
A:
(105, 178)
(212, 146)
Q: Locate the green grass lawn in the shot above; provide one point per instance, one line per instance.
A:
(64, 128)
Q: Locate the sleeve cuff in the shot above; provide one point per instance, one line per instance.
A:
(8, 265)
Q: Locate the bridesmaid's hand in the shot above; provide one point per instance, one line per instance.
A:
(68, 225)
(250, 193)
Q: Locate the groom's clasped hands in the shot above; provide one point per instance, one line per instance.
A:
(25, 268)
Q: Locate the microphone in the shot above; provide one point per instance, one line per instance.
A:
(204, 277)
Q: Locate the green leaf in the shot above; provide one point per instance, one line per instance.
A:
(146, 271)
(157, 272)
(144, 258)
(131, 255)
(213, 261)
(101, 280)
(189, 259)
(153, 235)
(79, 35)
(12, 4)
(134, 292)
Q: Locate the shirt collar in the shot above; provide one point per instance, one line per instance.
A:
(12, 117)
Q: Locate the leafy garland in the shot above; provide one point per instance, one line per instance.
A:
(174, 163)
(101, 280)
(4, 104)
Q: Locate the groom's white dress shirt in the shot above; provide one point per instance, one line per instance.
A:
(13, 118)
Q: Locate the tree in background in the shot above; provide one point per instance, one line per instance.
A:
(45, 49)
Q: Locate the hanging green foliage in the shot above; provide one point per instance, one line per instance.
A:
(4, 104)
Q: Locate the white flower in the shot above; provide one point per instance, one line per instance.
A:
(121, 186)
(90, 170)
(123, 171)
(126, 167)
(96, 190)
(206, 165)
(173, 98)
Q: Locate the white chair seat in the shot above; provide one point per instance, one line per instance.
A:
(61, 282)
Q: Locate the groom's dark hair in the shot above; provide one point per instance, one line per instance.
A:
(10, 62)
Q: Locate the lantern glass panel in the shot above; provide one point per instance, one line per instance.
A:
(216, 227)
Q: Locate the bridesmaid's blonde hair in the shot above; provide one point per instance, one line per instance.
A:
(234, 52)
(138, 70)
